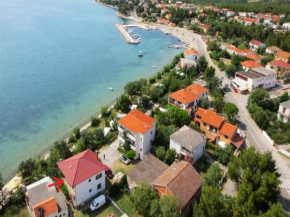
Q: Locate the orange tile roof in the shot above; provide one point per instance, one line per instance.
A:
(234, 49)
(196, 89)
(250, 64)
(190, 51)
(228, 129)
(200, 112)
(273, 48)
(183, 96)
(283, 54)
(182, 180)
(250, 20)
(210, 117)
(252, 56)
(137, 122)
(48, 206)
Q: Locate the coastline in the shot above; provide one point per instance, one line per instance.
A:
(86, 123)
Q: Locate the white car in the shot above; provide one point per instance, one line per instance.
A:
(124, 159)
(98, 202)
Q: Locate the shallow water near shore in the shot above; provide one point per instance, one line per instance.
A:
(57, 60)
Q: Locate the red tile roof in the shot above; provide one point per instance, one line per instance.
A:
(276, 19)
(184, 96)
(228, 129)
(250, 64)
(196, 89)
(234, 49)
(238, 141)
(182, 180)
(256, 42)
(137, 122)
(48, 206)
(190, 51)
(283, 54)
(210, 117)
(279, 63)
(273, 48)
(200, 111)
(250, 20)
(80, 167)
(252, 56)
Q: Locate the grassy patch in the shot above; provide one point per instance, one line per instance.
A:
(16, 211)
(104, 211)
(119, 166)
(123, 201)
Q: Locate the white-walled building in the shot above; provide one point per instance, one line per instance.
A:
(140, 130)
(188, 98)
(284, 111)
(191, 54)
(84, 176)
(44, 201)
(255, 78)
(187, 141)
(255, 44)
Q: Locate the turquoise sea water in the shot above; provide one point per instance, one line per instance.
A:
(57, 60)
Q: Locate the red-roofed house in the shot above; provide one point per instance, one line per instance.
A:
(250, 64)
(253, 57)
(204, 27)
(254, 45)
(250, 21)
(140, 130)
(84, 176)
(180, 180)
(191, 54)
(272, 49)
(217, 129)
(282, 55)
(188, 98)
(237, 51)
(281, 67)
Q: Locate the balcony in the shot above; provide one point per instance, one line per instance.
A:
(284, 114)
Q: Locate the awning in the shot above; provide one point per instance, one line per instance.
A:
(238, 141)
(211, 136)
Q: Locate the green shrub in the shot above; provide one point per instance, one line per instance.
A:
(286, 81)
(111, 136)
(131, 154)
(95, 121)
(152, 80)
(211, 146)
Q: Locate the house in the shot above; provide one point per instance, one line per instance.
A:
(140, 130)
(250, 64)
(204, 27)
(188, 142)
(254, 45)
(250, 21)
(242, 14)
(161, 5)
(182, 181)
(281, 67)
(255, 78)
(286, 26)
(284, 111)
(164, 10)
(272, 50)
(191, 54)
(44, 201)
(164, 21)
(184, 62)
(237, 51)
(253, 57)
(282, 55)
(188, 98)
(230, 13)
(147, 170)
(276, 19)
(84, 176)
(217, 129)
(178, 3)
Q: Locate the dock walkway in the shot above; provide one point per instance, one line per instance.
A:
(126, 35)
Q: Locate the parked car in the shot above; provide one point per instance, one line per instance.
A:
(124, 159)
(98, 202)
(108, 172)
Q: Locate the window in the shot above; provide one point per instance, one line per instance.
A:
(141, 138)
(226, 137)
(63, 214)
(204, 124)
(284, 110)
(89, 180)
(151, 132)
(99, 186)
(140, 149)
(90, 190)
(99, 176)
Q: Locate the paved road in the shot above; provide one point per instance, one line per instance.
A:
(111, 153)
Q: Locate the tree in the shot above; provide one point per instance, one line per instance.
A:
(169, 206)
(203, 103)
(162, 135)
(126, 144)
(212, 204)
(80, 146)
(144, 102)
(142, 198)
(230, 70)
(160, 152)
(178, 116)
(123, 103)
(1, 182)
(213, 176)
(218, 105)
(275, 210)
(63, 149)
(77, 132)
(169, 157)
(202, 64)
(156, 93)
(213, 83)
(105, 112)
(95, 121)
(26, 168)
(259, 97)
(236, 59)
(53, 158)
(131, 154)
(209, 73)
(213, 46)
(231, 111)
(224, 154)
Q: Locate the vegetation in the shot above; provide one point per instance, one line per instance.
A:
(231, 111)
(1, 182)
(213, 176)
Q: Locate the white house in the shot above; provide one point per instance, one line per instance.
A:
(286, 26)
(255, 78)
(230, 13)
(188, 98)
(140, 130)
(84, 176)
(254, 45)
(250, 21)
(44, 201)
(185, 62)
(191, 54)
(284, 111)
(187, 141)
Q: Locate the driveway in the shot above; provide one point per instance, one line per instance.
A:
(110, 153)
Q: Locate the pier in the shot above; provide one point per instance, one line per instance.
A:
(126, 35)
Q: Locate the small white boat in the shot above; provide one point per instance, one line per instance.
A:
(140, 54)
(111, 89)
(154, 66)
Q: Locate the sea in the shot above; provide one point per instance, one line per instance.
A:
(57, 60)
